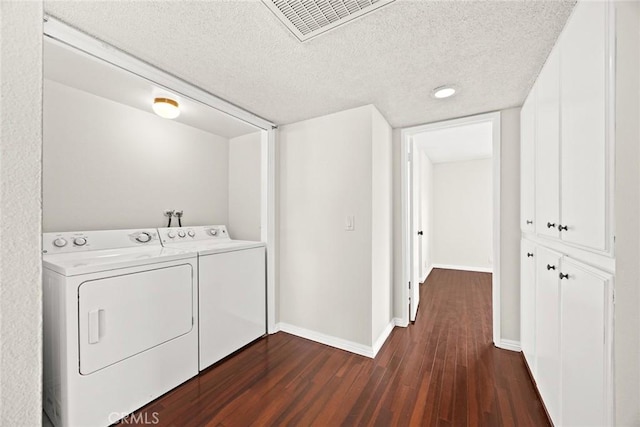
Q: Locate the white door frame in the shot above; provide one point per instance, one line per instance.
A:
(63, 33)
(406, 137)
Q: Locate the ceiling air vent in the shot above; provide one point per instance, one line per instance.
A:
(309, 18)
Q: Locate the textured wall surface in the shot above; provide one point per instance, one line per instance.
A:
(20, 200)
(510, 224)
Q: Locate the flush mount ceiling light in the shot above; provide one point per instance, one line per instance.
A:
(443, 92)
(166, 108)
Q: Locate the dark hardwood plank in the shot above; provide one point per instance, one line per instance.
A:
(441, 371)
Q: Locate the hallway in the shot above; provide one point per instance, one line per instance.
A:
(441, 371)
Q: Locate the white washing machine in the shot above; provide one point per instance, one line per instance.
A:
(232, 288)
(120, 323)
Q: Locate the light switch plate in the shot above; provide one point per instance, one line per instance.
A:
(350, 223)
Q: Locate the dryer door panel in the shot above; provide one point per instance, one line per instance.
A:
(121, 316)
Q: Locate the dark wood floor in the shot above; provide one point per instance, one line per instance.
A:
(441, 371)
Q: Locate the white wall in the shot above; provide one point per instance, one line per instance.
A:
(399, 303)
(109, 166)
(627, 196)
(326, 172)
(381, 223)
(463, 214)
(325, 271)
(20, 262)
(244, 186)
(510, 224)
(426, 213)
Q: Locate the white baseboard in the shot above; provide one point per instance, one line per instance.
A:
(350, 346)
(399, 322)
(377, 345)
(464, 268)
(509, 345)
(429, 270)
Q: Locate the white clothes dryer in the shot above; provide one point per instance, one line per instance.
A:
(232, 288)
(120, 323)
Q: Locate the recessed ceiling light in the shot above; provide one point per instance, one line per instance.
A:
(166, 108)
(443, 92)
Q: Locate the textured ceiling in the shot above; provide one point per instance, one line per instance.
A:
(392, 58)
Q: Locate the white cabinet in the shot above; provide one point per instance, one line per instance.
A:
(547, 330)
(527, 156)
(528, 302)
(567, 318)
(586, 304)
(566, 136)
(547, 147)
(584, 110)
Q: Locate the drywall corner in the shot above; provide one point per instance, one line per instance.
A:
(510, 224)
(20, 207)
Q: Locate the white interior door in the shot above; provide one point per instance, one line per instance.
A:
(414, 218)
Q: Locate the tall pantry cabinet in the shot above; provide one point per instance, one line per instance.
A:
(567, 263)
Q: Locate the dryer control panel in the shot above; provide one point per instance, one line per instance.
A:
(199, 233)
(80, 241)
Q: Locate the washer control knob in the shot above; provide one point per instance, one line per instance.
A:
(181, 234)
(191, 233)
(59, 242)
(171, 234)
(143, 237)
(213, 231)
(80, 241)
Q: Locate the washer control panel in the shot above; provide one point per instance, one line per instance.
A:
(78, 241)
(187, 234)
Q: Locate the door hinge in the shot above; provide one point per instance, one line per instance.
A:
(409, 156)
(409, 285)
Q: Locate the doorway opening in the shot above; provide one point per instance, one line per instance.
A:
(451, 204)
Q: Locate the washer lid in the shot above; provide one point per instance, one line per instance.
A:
(73, 264)
(213, 247)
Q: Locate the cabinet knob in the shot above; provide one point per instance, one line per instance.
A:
(529, 255)
(529, 222)
(551, 267)
(563, 276)
(551, 225)
(562, 227)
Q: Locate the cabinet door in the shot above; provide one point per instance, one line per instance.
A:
(584, 155)
(547, 147)
(528, 302)
(527, 158)
(586, 350)
(548, 330)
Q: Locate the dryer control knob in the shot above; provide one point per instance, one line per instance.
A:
(171, 234)
(213, 231)
(59, 242)
(143, 237)
(181, 233)
(191, 233)
(79, 241)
